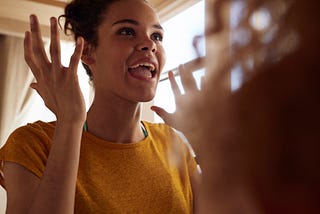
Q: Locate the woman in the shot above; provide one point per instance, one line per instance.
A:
(105, 160)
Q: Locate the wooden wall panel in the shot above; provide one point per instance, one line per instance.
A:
(14, 14)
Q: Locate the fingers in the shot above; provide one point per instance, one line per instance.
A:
(75, 58)
(36, 87)
(161, 113)
(174, 85)
(187, 79)
(37, 44)
(35, 54)
(55, 51)
(29, 56)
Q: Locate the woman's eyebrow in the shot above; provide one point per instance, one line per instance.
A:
(134, 22)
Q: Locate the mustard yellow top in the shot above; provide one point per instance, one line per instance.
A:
(151, 176)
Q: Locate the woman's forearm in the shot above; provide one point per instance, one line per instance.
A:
(56, 191)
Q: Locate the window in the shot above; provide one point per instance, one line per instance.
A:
(179, 34)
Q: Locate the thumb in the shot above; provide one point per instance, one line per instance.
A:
(162, 113)
(36, 87)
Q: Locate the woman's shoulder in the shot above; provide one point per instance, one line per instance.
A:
(29, 146)
(157, 126)
(162, 130)
(170, 138)
(35, 128)
(39, 125)
(37, 133)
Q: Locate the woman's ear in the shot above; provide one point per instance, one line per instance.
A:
(87, 54)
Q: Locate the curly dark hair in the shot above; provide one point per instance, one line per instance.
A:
(82, 18)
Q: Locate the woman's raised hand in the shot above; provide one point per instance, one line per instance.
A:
(180, 119)
(57, 85)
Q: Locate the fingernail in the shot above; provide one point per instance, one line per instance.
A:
(32, 23)
(32, 20)
(52, 21)
(53, 25)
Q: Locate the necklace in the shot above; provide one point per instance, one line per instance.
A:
(144, 130)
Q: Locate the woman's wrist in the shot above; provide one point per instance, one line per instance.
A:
(70, 122)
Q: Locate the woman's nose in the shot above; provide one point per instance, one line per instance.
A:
(147, 45)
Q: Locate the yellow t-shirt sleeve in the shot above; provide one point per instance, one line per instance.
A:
(192, 163)
(27, 146)
(190, 155)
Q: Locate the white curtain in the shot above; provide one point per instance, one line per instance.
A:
(15, 93)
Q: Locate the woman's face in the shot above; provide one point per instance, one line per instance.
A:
(129, 56)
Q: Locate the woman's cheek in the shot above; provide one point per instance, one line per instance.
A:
(162, 58)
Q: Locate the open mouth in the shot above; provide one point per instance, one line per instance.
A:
(144, 71)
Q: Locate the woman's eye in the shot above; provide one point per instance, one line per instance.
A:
(157, 37)
(126, 32)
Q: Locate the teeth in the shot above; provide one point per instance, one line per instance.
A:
(151, 66)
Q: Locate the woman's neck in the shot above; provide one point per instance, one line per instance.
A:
(116, 121)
